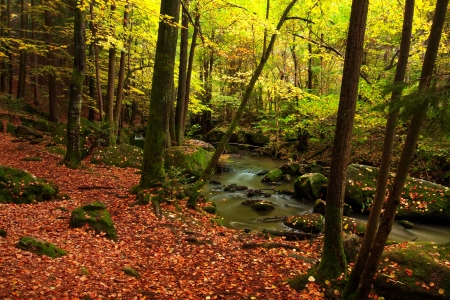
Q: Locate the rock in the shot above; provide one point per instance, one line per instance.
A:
(96, 216)
(234, 187)
(20, 187)
(214, 182)
(3, 233)
(40, 247)
(24, 131)
(320, 206)
(10, 128)
(192, 160)
(273, 176)
(354, 226)
(421, 272)
(259, 205)
(122, 156)
(258, 138)
(352, 245)
(215, 135)
(286, 178)
(311, 186)
(406, 224)
(131, 272)
(198, 143)
(262, 172)
(290, 168)
(311, 223)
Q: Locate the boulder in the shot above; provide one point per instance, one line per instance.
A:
(40, 247)
(258, 138)
(320, 206)
(311, 186)
(272, 176)
(354, 226)
(122, 156)
(290, 168)
(414, 271)
(20, 187)
(96, 216)
(27, 132)
(259, 205)
(311, 223)
(192, 160)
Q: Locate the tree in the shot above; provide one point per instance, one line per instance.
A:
(221, 146)
(333, 262)
(161, 94)
(51, 77)
(73, 157)
(412, 136)
(109, 101)
(21, 85)
(383, 175)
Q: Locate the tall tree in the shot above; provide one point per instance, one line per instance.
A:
(35, 60)
(73, 157)
(389, 136)
(333, 262)
(248, 91)
(96, 62)
(21, 85)
(109, 101)
(51, 76)
(407, 154)
(161, 94)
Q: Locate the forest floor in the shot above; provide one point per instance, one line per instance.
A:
(182, 255)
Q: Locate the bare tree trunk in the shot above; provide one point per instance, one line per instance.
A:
(96, 63)
(51, 77)
(21, 85)
(383, 176)
(3, 75)
(109, 103)
(36, 95)
(333, 262)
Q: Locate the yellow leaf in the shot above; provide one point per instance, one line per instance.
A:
(441, 291)
(346, 226)
(311, 279)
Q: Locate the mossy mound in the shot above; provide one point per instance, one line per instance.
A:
(38, 124)
(2, 127)
(97, 217)
(3, 233)
(40, 247)
(258, 138)
(120, 156)
(131, 272)
(354, 226)
(290, 168)
(215, 135)
(192, 160)
(20, 187)
(91, 136)
(414, 271)
(59, 150)
(11, 128)
(259, 205)
(272, 176)
(311, 186)
(307, 223)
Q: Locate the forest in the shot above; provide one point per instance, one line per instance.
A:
(195, 149)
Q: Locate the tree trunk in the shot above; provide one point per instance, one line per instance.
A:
(96, 62)
(182, 75)
(73, 158)
(10, 54)
(51, 77)
(221, 146)
(161, 94)
(3, 75)
(333, 262)
(36, 95)
(120, 83)
(21, 85)
(383, 176)
(109, 102)
(406, 157)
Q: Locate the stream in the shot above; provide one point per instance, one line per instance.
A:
(244, 168)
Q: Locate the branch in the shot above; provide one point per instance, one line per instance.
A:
(300, 18)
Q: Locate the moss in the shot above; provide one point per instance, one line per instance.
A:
(132, 272)
(97, 217)
(120, 156)
(193, 160)
(355, 226)
(415, 271)
(84, 271)
(20, 187)
(40, 247)
(291, 168)
(32, 158)
(307, 223)
(272, 176)
(10, 128)
(3, 233)
(211, 208)
(310, 186)
(259, 205)
(59, 150)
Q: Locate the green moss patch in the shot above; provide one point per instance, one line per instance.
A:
(131, 272)
(273, 176)
(120, 156)
(40, 247)
(415, 271)
(307, 223)
(259, 205)
(311, 186)
(192, 160)
(97, 217)
(354, 226)
(59, 150)
(20, 187)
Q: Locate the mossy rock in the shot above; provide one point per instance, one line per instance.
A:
(258, 138)
(354, 226)
(406, 224)
(11, 128)
(192, 160)
(138, 143)
(119, 156)
(59, 150)
(131, 272)
(40, 247)
(259, 205)
(25, 131)
(290, 168)
(215, 135)
(311, 186)
(352, 246)
(39, 124)
(414, 271)
(320, 207)
(307, 223)
(97, 217)
(2, 127)
(273, 176)
(3, 233)
(20, 187)
(91, 135)
(31, 158)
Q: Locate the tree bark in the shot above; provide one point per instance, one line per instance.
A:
(36, 95)
(73, 158)
(333, 262)
(51, 77)
(3, 75)
(21, 85)
(182, 75)
(412, 137)
(221, 146)
(109, 102)
(383, 176)
(161, 94)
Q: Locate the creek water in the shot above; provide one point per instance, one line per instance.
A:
(243, 170)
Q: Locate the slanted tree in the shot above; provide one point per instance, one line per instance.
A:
(389, 136)
(333, 262)
(73, 157)
(407, 154)
(161, 94)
